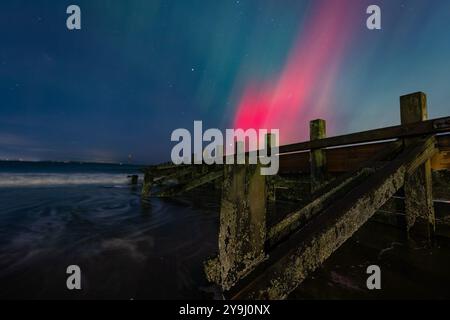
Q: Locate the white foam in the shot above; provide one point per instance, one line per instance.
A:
(61, 179)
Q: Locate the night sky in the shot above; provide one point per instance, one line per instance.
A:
(139, 69)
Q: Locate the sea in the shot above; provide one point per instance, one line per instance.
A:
(55, 215)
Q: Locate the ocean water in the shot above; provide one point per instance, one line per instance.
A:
(53, 215)
(50, 174)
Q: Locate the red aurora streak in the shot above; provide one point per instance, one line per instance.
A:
(289, 100)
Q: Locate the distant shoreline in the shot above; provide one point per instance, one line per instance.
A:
(72, 162)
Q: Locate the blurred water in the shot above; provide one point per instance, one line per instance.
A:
(43, 174)
(125, 248)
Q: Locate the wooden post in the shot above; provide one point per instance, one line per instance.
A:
(134, 179)
(271, 187)
(420, 219)
(242, 231)
(220, 159)
(239, 152)
(147, 185)
(318, 163)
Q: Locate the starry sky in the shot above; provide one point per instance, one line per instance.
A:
(138, 69)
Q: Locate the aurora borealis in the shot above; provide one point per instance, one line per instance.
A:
(305, 80)
(139, 69)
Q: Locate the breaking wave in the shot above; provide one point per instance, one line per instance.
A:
(61, 179)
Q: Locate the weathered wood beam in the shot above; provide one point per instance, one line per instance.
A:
(194, 183)
(294, 259)
(154, 176)
(434, 126)
(179, 174)
(338, 159)
(344, 159)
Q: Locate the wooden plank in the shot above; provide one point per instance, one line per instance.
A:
(348, 158)
(434, 126)
(338, 160)
(341, 159)
(294, 163)
(443, 142)
(441, 160)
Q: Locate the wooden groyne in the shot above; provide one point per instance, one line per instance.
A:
(336, 185)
